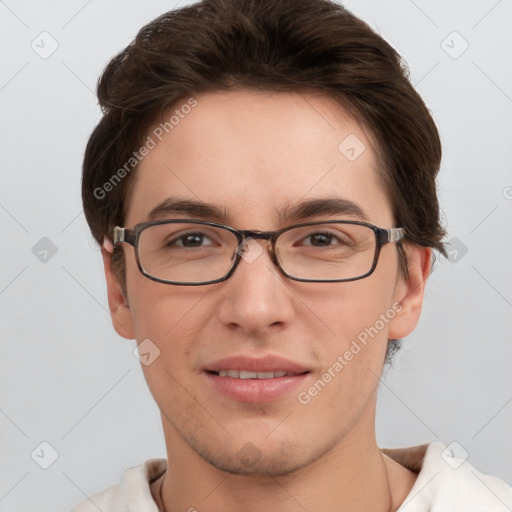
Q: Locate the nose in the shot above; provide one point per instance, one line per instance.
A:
(257, 297)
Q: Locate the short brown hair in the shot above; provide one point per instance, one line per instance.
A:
(282, 45)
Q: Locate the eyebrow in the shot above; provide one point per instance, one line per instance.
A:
(190, 207)
(295, 212)
(322, 206)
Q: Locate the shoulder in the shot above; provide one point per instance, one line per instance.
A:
(132, 494)
(448, 482)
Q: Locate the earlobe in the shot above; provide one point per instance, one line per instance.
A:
(410, 292)
(118, 303)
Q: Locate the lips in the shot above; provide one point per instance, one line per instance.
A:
(245, 374)
(256, 364)
(256, 380)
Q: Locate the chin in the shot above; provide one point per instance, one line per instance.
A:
(263, 458)
(257, 464)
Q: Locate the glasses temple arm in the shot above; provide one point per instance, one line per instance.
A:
(395, 234)
(390, 235)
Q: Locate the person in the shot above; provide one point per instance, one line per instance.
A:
(262, 184)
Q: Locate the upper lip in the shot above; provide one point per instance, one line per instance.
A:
(267, 363)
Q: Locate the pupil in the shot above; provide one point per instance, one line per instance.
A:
(192, 240)
(321, 239)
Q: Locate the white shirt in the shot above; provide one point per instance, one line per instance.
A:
(444, 484)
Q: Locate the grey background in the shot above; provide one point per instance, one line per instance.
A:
(67, 378)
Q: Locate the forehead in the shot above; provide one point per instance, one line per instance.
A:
(253, 154)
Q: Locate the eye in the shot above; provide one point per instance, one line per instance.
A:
(319, 239)
(325, 239)
(187, 240)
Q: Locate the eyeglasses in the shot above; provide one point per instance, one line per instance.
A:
(193, 252)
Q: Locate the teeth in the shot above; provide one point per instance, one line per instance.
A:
(263, 375)
(248, 375)
(244, 374)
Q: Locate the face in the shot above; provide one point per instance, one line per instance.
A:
(254, 156)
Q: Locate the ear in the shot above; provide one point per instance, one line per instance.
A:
(410, 291)
(117, 302)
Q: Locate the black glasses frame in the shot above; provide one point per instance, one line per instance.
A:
(132, 237)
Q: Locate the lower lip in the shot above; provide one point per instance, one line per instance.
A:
(255, 390)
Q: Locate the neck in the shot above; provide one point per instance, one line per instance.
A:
(354, 475)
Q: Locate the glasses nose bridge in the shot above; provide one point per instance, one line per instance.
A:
(269, 236)
(263, 235)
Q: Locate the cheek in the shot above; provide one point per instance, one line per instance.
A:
(159, 310)
(172, 318)
(355, 318)
(347, 309)
(351, 356)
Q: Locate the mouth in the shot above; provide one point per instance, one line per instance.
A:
(255, 380)
(247, 374)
